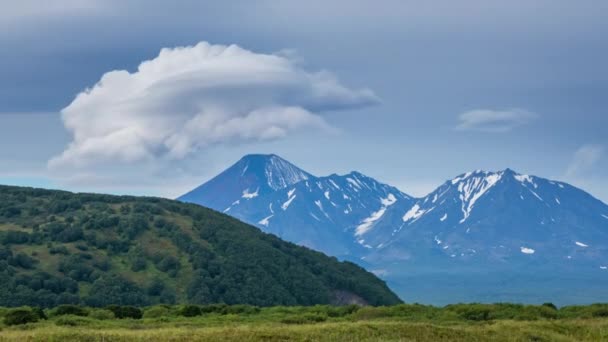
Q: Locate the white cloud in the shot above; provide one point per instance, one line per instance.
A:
(488, 120)
(190, 98)
(584, 159)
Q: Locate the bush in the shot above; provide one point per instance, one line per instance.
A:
(125, 311)
(599, 312)
(72, 321)
(341, 311)
(241, 309)
(475, 313)
(39, 312)
(20, 316)
(157, 312)
(68, 309)
(550, 305)
(101, 314)
(213, 308)
(305, 318)
(190, 311)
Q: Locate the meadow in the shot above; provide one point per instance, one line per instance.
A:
(405, 322)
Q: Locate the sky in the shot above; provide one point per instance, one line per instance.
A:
(154, 97)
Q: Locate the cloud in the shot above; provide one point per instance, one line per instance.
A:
(584, 159)
(487, 120)
(190, 98)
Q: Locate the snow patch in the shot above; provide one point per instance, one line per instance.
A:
(604, 216)
(354, 183)
(527, 250)
(413, 214)
(334, 184)
(326, 193)
(437, 240)
(458, 179)
(291, 192)
(603, 267)
(320, 206)
(472, 190)
(444, 217)
(389, 200)
(536, 195)
(289, 200)
(557, 200)
(250, 195)
(367, 223)
(580, 244)
(265, 221)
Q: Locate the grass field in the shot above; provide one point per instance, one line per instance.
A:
(375, 330)
(463, 322)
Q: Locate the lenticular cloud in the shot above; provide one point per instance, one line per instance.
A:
(191, 97)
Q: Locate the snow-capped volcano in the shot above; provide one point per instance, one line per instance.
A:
(330, 214)
(252, 176)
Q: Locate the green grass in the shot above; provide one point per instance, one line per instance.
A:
(462, 322)
(374, 330)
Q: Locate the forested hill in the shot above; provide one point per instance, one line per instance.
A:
(58, 247)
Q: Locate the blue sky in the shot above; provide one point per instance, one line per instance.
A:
(409, 92)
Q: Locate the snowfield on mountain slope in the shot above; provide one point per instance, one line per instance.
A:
(367, 224)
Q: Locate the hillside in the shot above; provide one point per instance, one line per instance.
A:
(58, 247)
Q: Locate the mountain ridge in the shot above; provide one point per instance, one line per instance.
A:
(513, 225)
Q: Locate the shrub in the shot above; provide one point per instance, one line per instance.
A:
(341, 311)
(213, 308)
(157, 312)
(125, 311)
(475, 313)
(241, 309)
(20, 316)
(101, 314)
(550, 305)
(599, 312)
(71, 321)
(39, 312)
(305, 318)
(190, 311)
(369, 312)
(69, 309)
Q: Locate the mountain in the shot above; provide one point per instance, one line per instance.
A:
(252, 176)
(498, 236)
(329, 214)
(481, 236)
(503, 217)
(58, 247)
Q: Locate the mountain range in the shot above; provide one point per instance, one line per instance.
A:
(479, 236)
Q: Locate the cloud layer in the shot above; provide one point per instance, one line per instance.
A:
(488, 120)
(188, 98)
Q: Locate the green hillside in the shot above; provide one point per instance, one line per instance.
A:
(58, 247)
